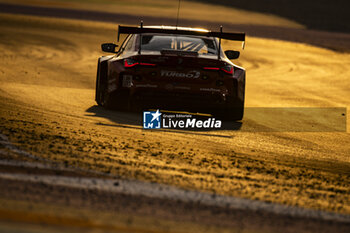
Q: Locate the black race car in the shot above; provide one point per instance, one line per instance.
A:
(173, 68)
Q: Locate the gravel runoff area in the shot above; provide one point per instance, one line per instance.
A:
(44, 184)
(334, 41)
(33, 180)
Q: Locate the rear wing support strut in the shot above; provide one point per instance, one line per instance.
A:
(219, 49)
(141, 26)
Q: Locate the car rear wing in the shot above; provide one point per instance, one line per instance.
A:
(220, 34)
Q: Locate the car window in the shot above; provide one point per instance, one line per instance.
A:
(157, 43)
(184, 43)
(129, 46)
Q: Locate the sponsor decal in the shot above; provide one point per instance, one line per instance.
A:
(146, 85)
(157, 120)
(176, 74)
(209, 89)
(182, 88)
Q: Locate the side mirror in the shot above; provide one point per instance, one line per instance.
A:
(108, 47)
(231, 54)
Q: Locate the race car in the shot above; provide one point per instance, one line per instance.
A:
(172, 68)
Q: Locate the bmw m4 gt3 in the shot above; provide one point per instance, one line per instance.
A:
(173, 68)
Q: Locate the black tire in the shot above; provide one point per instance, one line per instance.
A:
(101, 95)
(234, 112)
(117, 100)
(97, 86)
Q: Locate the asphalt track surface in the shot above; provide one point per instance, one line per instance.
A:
(39, 120)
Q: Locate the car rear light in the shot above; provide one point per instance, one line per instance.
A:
(131, 63)
(211, 68)
(227, 69)
(147, 64)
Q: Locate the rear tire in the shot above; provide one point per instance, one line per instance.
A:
(234, 112)
(101, 95)
(97, 86)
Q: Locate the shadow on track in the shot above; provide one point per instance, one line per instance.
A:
(134, 120)
(320, 15)
(293, 119)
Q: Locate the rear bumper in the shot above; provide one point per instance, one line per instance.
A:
(181, 101)
(200, 96)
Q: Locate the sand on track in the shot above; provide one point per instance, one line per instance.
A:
(47, 77)
(252, 25)
(167, 9)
